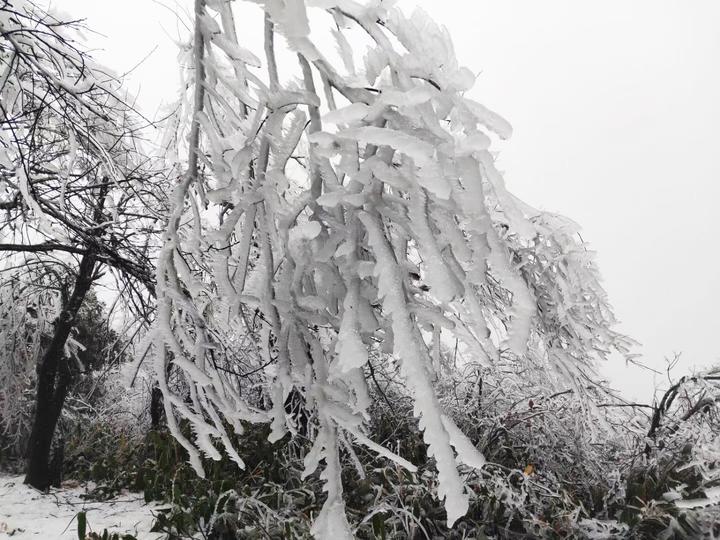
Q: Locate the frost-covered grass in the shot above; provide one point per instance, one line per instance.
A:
(28, 513)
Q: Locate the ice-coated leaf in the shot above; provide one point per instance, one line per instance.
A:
(415, 96)
(466, 451)
(236, 52)
(347, 115)
(422, 153)
(290, 15)
(491, 120)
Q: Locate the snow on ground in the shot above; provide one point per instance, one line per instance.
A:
(26, 513)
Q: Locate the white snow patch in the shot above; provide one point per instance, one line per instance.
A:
(26, 513)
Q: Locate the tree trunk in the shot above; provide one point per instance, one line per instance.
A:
(54, 378)
(156, 407)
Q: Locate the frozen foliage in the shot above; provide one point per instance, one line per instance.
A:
(675, 490)
(351, 216)
(351, 305)
(29, 305)
(26, 314)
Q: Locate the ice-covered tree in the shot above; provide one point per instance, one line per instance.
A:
(74, 189)
(338, 206)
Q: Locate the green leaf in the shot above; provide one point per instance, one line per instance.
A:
(81, 525)
(378, 524)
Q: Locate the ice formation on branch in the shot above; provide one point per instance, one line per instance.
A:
(73, 178)
(344, 213)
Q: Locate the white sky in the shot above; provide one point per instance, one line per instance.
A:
(616, 109)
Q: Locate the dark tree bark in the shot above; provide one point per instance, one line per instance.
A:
(56, 463)
(54, 379)
(156, 407)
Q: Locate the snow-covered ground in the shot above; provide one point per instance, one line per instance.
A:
(28, 513)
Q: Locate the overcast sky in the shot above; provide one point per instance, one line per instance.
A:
(615, 107)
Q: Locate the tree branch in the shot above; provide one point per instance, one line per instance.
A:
(45, 247)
